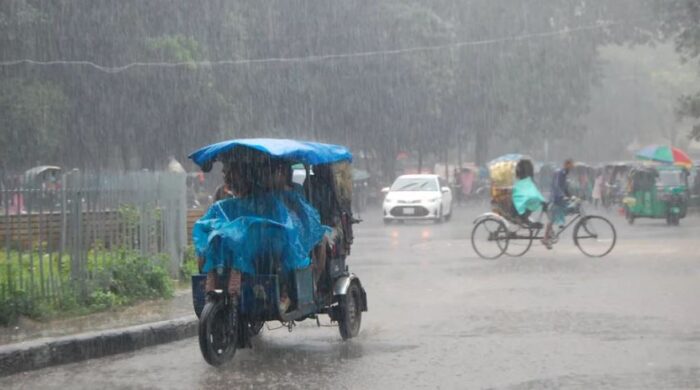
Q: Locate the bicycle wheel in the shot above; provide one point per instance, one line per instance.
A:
(595, 236)
(519, 244)
(490, 238)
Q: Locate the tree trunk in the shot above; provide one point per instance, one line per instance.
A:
(482, 146)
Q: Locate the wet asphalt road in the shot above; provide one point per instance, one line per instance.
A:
(442, 318)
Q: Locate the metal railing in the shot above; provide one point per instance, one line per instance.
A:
(68, 232)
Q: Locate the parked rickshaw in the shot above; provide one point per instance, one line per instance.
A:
(43, 184)
(510, 229)
(225, 324)
(657, 191)
(581, 180)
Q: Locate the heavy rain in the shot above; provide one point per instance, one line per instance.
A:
(226, 194)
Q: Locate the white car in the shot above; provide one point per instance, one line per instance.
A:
(418, 197)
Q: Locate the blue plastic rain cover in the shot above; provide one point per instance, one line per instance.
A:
(305, 152)
(526, 196)
(235, 233)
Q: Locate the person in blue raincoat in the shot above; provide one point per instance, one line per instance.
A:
(526, 196)
(263, 221)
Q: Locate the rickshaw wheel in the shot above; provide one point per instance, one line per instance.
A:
(217, 333)
(595, 236)
(521, 245)
(490, 238)
(350, 313)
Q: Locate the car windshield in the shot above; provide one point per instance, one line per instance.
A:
(414, 184)
(669, 178)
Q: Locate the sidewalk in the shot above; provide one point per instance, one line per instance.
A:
(33, 345)
(142, 313)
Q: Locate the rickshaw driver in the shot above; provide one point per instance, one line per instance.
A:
(560, 196)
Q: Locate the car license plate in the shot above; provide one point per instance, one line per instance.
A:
(409, 211)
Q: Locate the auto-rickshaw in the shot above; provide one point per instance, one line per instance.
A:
(615, 176)
(656, 191)
(225, 324)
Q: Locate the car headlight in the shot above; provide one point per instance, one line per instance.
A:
(433, 200)
(388, 200)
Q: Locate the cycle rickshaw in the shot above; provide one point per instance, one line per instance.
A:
(505, 231)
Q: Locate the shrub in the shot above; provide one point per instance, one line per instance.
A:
(189, 265)
(120, 277)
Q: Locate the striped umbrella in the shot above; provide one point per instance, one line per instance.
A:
(665, 154)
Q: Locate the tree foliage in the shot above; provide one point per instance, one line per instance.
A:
(456, 79)
(681, 22)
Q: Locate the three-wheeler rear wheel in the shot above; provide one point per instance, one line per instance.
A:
(350, 312)
(218, 332)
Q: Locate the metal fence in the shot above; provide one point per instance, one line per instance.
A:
(68, 231)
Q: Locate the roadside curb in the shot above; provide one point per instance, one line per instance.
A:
(33, 355)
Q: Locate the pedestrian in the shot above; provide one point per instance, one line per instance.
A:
(597, 193)
(457, 185)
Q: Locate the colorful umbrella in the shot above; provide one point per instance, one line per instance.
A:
(665, 154)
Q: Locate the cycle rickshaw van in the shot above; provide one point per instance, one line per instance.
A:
(276, 248)
(509, 229)
(658, 192)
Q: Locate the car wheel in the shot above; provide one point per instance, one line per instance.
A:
(439, 217)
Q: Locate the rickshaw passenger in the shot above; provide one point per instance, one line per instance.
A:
(526, 197)
(289, 227)
(284, 182)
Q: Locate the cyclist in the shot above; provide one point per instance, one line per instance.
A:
(559, 199)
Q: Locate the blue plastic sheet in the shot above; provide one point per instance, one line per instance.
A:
(526, 196)
(312, 153)
(239, 233)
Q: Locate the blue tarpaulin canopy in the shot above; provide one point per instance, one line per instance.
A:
(311, 153)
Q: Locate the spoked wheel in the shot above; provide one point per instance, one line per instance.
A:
(217, 333)
(595, 236)
(350, 313)
(490, 238)
(520, 244)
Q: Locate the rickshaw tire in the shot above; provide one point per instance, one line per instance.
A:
(503, 248)
(531, 239)
(582, 223)
(206, 322)
(350, 326)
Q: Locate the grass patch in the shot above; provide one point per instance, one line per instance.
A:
(40, 286)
